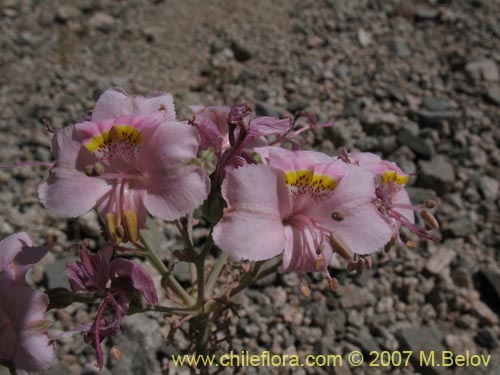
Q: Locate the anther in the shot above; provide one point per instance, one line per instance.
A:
(130, 225)
(98, 168)
(111, 228)
(411, 244)
(320, 249)
(304, 289)
(430, 203)
(338, 215)
(334, 284)
(339, 247)
(116, 353)
(319, 263)
(89, 170)
(120, 232)
(429, 219)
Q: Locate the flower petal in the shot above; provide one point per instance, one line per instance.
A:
(68, 191)
(112, 104)
(175, 187)
(258, 200)
(35, 353)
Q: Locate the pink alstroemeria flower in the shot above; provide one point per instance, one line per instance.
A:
(114, 103)
(126, 167)
(127, 282)
(294, 205)
(392, 200)
(25, 346)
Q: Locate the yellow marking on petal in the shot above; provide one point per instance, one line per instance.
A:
(393, 176)
(305, 177)
(118, 133)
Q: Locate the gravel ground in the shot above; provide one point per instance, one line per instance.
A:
(417, 81)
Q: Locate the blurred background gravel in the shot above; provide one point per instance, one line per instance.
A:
(416, 81)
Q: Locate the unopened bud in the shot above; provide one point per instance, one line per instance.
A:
(334, 284)
(130, 225)
(59, 298)
(338, 215)
(339, 247)
(429, 219)
(304, 289)
(116, 353)
(111, 228)
(411, 244)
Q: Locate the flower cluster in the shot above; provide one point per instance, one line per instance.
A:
(264, 198)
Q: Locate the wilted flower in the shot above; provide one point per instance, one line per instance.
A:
(127, 282)
(25, 346)
(301, 204)
(125, 166)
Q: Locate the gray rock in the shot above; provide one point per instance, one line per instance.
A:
(67, 12)
(488, 284)
(489, 187)
(366, 342)
(399, 48)
(437, 104)
(139, 339)
(102, 22)
(461, 227)
(241, 52)
(493, 94)
(440, 260)
(182, 272)
(421, 147)
(437, 174)
(422, 339)
(56, 277)
(298, 104)
(262, 109)
(487, 338)
(486, 70)
(434, 118)
(396, 92)
(423, 13)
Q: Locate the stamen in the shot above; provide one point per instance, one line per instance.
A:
(430, 203)
(94, 170)
(130, 225)
(429, 219)
(339, 247)
(304, 289)
(111, 228)
(334, 284)
(116, 353)
(411, 244)
(338, 215)
(319, 263)
(320, 249)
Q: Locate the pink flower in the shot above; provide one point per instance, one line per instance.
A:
(125, 167)
(295, 205)
(114, 104)
(24, 344)
(120, 281)
(392, 200)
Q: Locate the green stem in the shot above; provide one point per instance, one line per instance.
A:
(170, 310)
(170, 280)
(212, 279)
